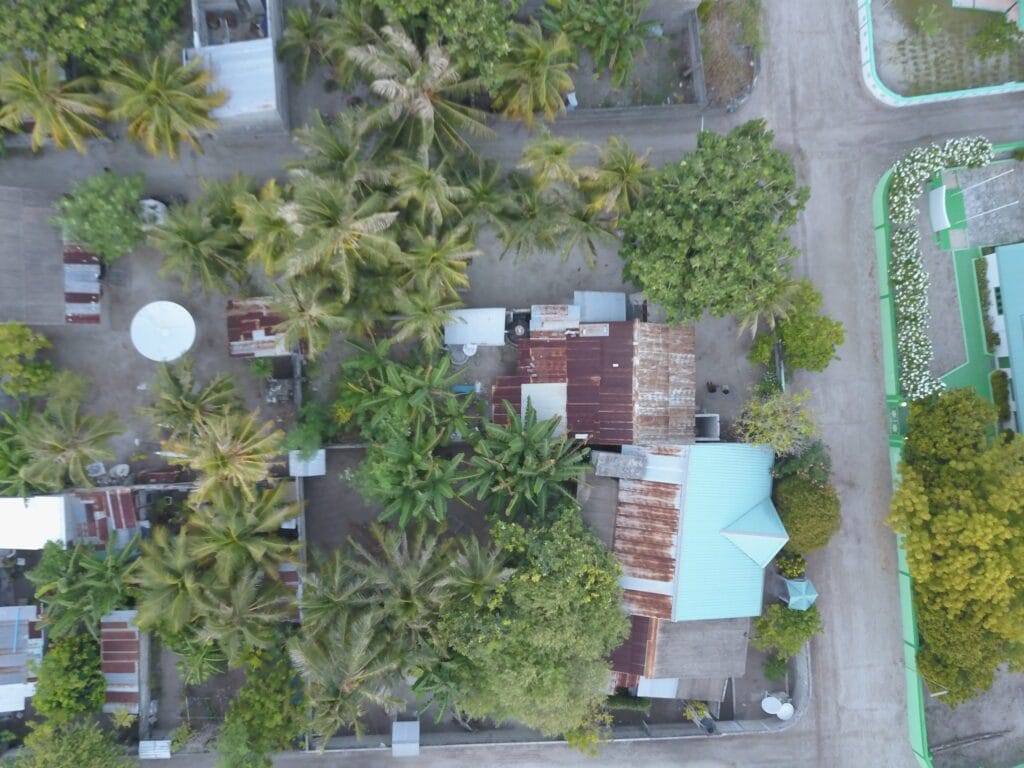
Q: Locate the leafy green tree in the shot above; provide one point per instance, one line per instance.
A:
(95, 35)
(64, 111)
(180, 405)
(61, 441)
(711, 233)
(57, 743)
(783, 630)
(237, 749)
(809, 340)
(21, 373)
(619, 181)
(777, 306)
(419, 91)
(810, 512)
(522, 466)
(536, 652)
(164, 101)
(230, 449)
(813, 463)
(69, 681)
(13, 457)
(780, 421)
(103, 214)
(959, 510)
(80, 585)
(534, 75)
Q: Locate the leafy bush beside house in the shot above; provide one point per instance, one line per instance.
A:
(809, 512)
(781, 421)
(103, 214)
(70, 682)
(813, 463)
(59, 743)
(809, 340)
(981, 274)
(783, 631)
(21, 372)
(1001, 395)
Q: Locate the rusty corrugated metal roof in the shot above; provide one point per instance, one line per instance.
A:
(107, 510)
(646, 529)
(636, 655)
(647, 604)
(664, 391)
(554, 317)
(251, 324)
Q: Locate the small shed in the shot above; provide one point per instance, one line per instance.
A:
(405, 738)
(313, 465)
(484, 327)
(121, 661)
(252, 327)
(600, 306)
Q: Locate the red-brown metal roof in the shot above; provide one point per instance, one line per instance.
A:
(106, 510)
(649, 604)
(646, 529)
(251, 324)
(636, 655)
(119, 661)
(664, 393)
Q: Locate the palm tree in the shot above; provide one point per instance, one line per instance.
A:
(234, 534)
(60, 442)
(418, 90)
(179, 405)
(534, 76)
(65, 111)
(422, 317)
(477, 571)
(578, 226)
(425, 193)
(243, 616)
(329, 593)
(354, 24)
(200, 660)
(338, 233)
(433, 267)
(12, 454)
(490, 199)
(169, 584)
(230, 449)
(194, 248)
(303, 40)
(620, 179)
(345, 673)
(776, 305)
(532, 229)
(548, 160)
(310, 317)
(164, 101)
(523, 466)
(271, 238)
(338, 149)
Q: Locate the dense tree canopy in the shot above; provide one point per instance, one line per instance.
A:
(58, 744)
(710, 235)
(809, 339)
(960, 507)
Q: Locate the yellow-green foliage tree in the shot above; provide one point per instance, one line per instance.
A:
(960, 507)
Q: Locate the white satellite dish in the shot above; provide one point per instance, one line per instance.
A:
(771, 705)
(163, 331)
(785, 711)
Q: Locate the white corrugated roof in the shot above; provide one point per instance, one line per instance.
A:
(30, 523)
(484, 327)
(247, 71)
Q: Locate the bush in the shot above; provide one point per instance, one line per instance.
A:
(20, 372)
(268, 704)
(981, 273)
(775, 667)
(784, 631)
(103, 214)
(809, 340)
(704, 10)
(1001, 394)
(996, 37)
(812, 463)
(780, 422)
(790, 565)
(316, 425)
(623, 700)
(70, 682)
(63, 743)
(809, 512)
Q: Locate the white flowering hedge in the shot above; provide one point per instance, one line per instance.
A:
(907, 274)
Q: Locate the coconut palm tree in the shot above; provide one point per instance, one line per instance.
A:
(490, 200)
(164, 101)
(532, 229)
(345, 673)
(303, 41)
(199, 660)
(437, 267)
(548, 160)
(271, 238)
(523, 466)
(34, 91)
(337, 232)
(311, 316)
(61, 441)
(329, 592)
(477, 571)
(577, 226)
(534, 77)
(233, 534)
(776, 305)
(230, 449)
(12, 455)
(354, 24)
(169, 583)
(422, 317)
(418, 89)
(195, 249)
(424, 193)
(337, 149)
(179, 404)
(620, 179)
(244, 615)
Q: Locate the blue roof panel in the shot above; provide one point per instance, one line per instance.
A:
(1010, 259)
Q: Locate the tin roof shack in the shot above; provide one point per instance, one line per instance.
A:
(45, 282)
(21, 648)
(611, 383)
(95, 515)
(251, 324)
(236, 39)
(122, 662)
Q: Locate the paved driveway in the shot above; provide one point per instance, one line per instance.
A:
(843, 141)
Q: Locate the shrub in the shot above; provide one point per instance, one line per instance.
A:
(809, 512)
(20, 372)
(103, 214)
(790, 565)
(780, 421)
(997, 36)
(981, 273)
(269, 703)
(63, 743)
(784, 631)
(1018, 154)
(623, 700)
(812, 463)
(316, 424)
(70, 682)
(704, 10)
(1001, 394)
(775, 667)
(809, 340)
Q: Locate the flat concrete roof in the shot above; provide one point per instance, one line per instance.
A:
(31, 259)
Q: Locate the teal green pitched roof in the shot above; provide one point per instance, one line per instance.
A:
(727, 491)
(758, 533)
